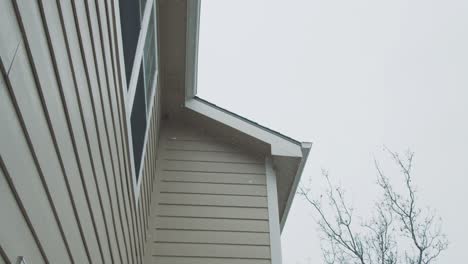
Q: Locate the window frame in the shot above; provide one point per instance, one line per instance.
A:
(129, 90)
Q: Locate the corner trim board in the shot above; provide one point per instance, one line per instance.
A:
(273, 212)
(306, 146)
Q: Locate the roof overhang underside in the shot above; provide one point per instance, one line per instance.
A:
(178, 24)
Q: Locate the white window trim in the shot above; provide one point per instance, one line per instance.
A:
(130, 90)
(137, 61)
(137, 183)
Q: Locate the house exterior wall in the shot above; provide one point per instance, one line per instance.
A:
(66, 190)
(211, 203)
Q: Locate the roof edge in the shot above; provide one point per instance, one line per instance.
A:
(306, 147)
(191, 47)
(280, 144)
(249, 121)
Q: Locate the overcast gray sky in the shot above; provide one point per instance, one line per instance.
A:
(350, 76)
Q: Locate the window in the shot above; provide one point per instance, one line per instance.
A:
(130, 24)
(138, 122)
(142, 4)
(149, 59)
(138, 23)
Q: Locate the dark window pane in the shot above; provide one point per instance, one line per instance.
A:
(142, 8)
(130, 23)
(150, 57)
(138, 122)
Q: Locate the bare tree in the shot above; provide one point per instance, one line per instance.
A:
(381, 239)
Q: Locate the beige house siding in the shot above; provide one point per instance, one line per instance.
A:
(211, 204)
(66, 190)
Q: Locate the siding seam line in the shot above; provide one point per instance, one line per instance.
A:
(219, 183)
(219, 194)
(14, 57)
(212, 230)
(213, 217)
(189, 256)
(216, 161)
(210, 243)
(215, 205)
(219, 172)
(201, 150)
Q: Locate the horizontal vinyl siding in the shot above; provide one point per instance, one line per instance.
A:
(213, 212)
(66, 189)
(211, 203)
(185, 260)
(213, 189)
(179, 223)
(213, 237)
(214, 251)
(208, 177)
(209, 200)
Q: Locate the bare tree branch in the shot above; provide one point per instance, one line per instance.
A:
(396, 217)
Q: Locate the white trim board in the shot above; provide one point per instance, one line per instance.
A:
(306, 146)
(279, 145)
(273, 213)
(138, 60)
(137, 184)
(191, 47)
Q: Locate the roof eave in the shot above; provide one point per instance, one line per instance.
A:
(305, 148)
(191, 48)
(280, 144)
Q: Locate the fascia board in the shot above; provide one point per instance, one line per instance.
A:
(279, 145)
(306, 146)
(191, 48)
